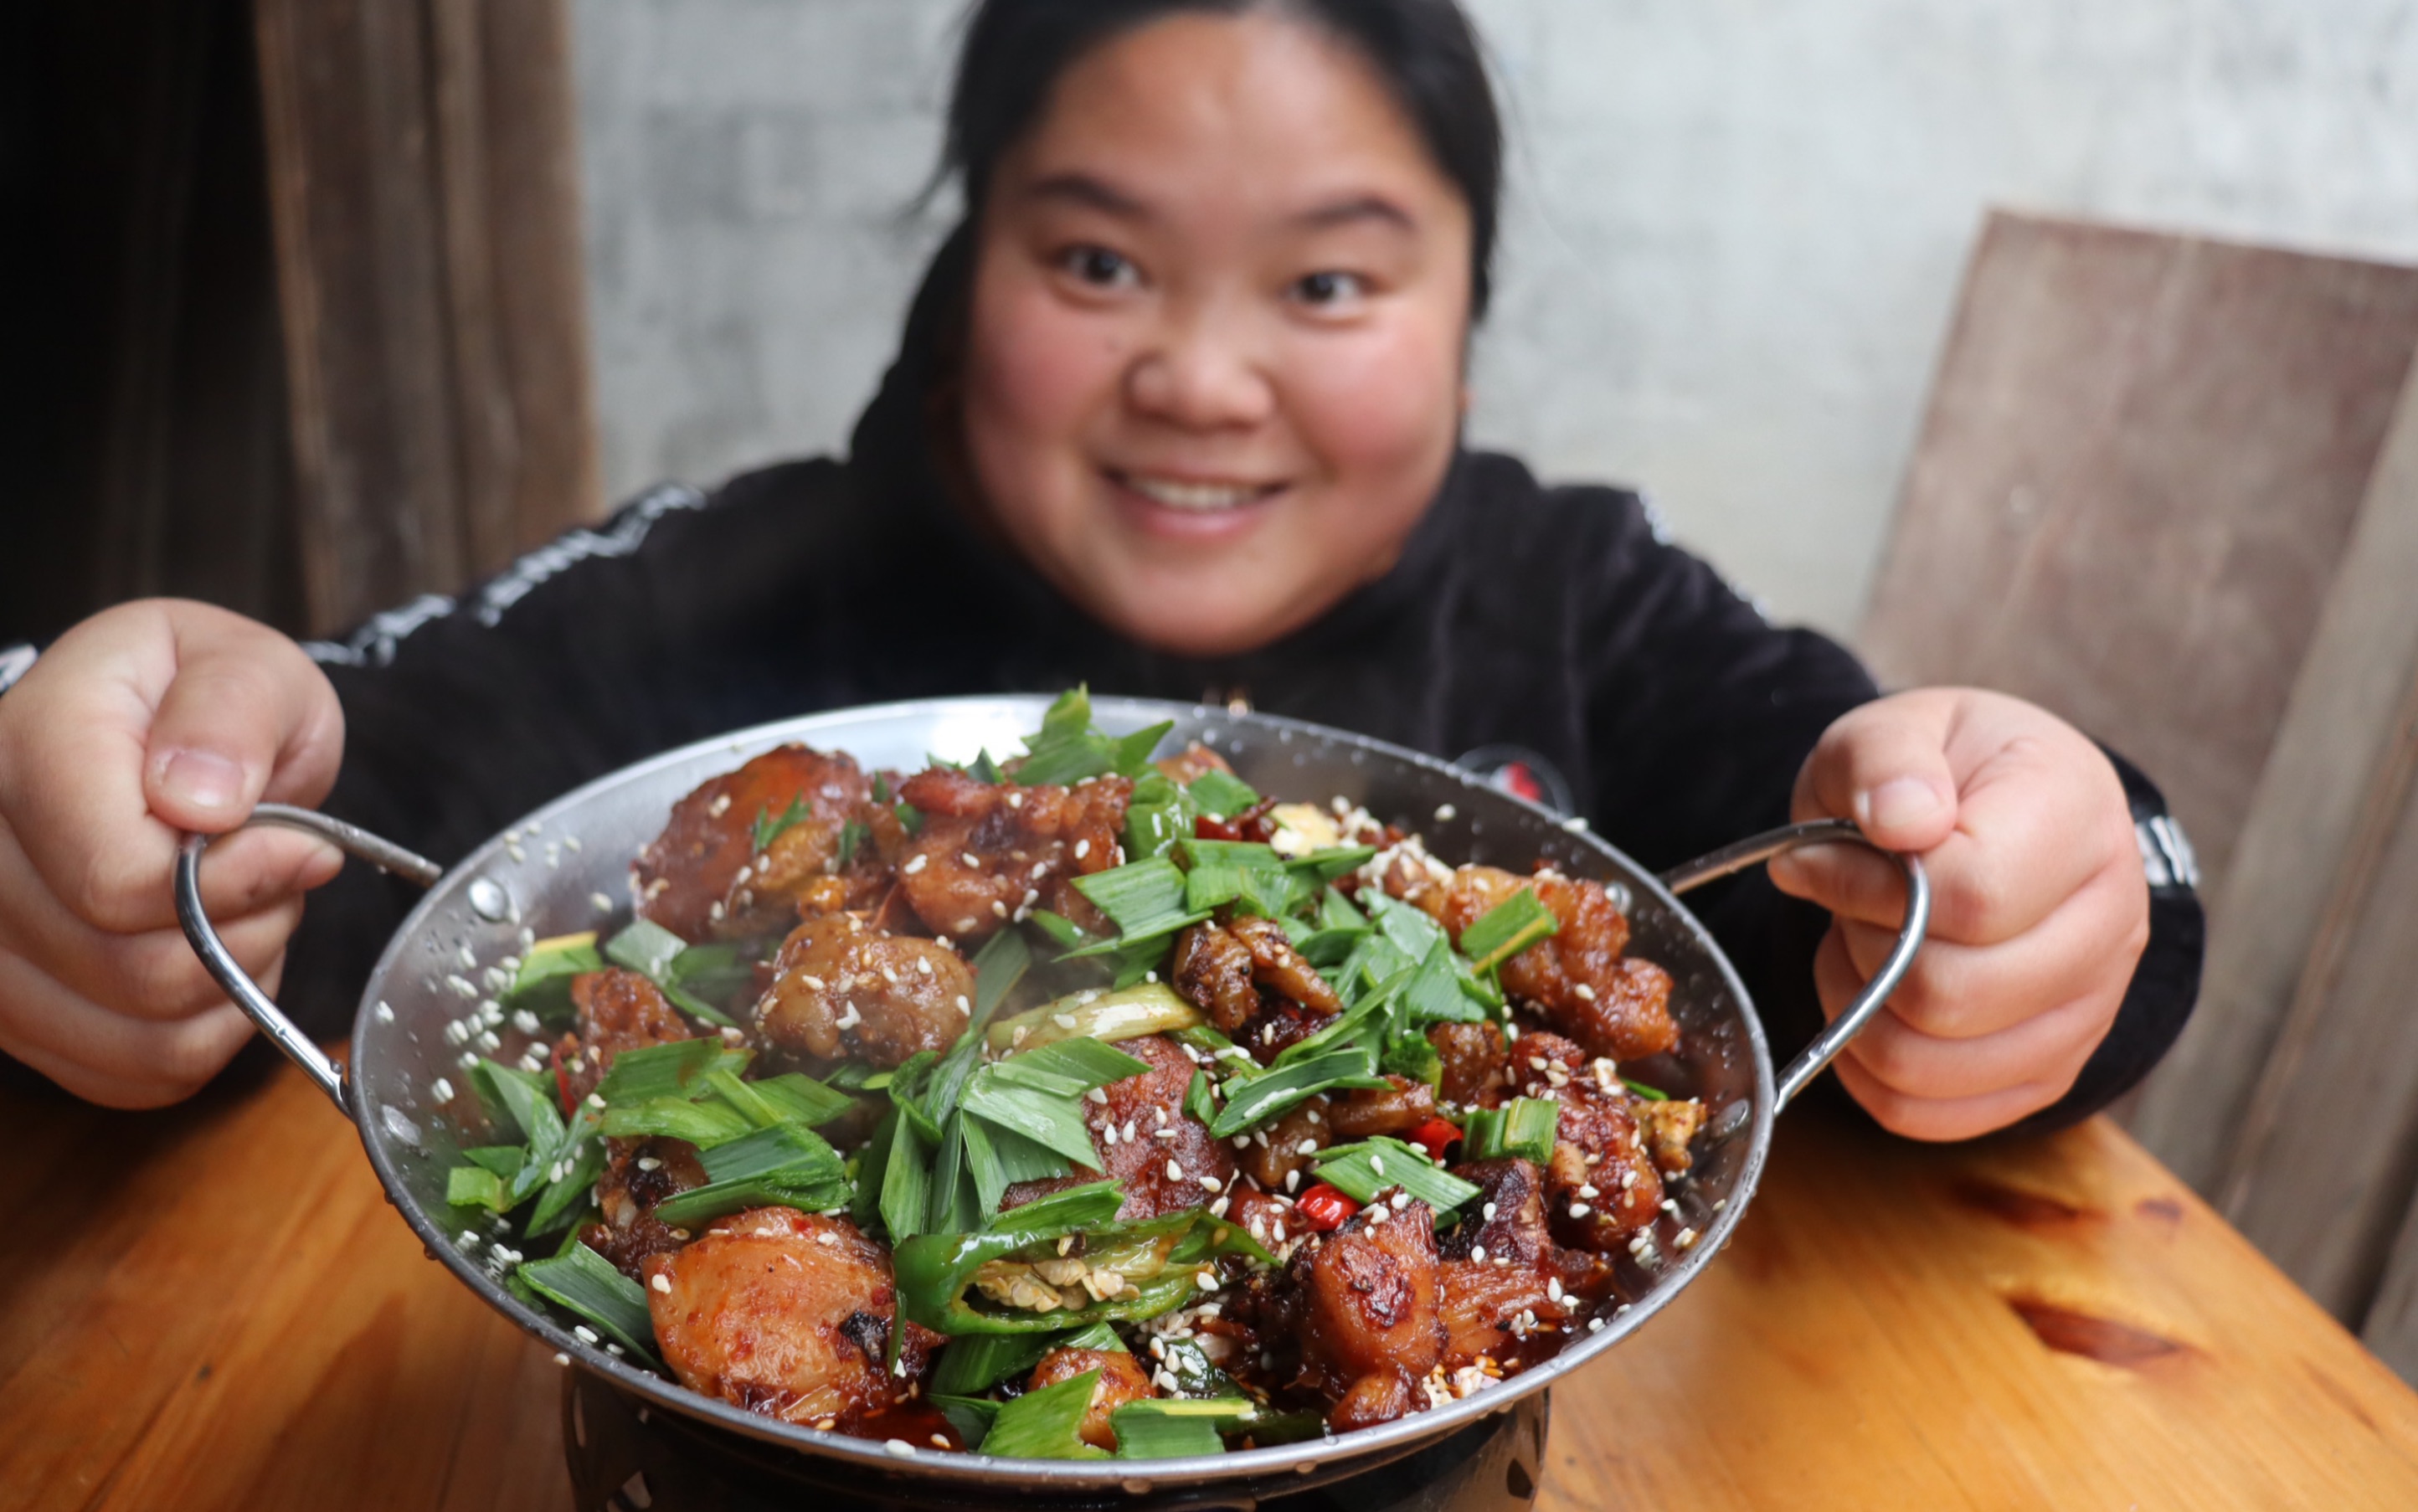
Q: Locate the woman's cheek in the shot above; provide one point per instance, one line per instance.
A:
(1381, 409)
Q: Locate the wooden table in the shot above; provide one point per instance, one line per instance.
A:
(213, 1308)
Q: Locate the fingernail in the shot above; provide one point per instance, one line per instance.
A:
(1898, 803)
(202, 779)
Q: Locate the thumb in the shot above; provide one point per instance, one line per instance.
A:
(1886, 767)
(247, 716)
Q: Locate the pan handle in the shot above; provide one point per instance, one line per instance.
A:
(1758, 849)
(257, 1005)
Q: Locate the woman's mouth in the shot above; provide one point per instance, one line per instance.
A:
(1192, 495)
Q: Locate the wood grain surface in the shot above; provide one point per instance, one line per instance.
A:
(213, 1308)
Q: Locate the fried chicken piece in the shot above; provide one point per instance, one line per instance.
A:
(988, 853)
(1396, 1110)
(840, 989)
(640, 1173)
(1165, 1157)
(1121, 1380)
(1223, 969)
(1496, 1310)
(703, 877)
(787, 1314)
(1379, 1396)
(1613, 1005)
(1278, 1150)
(1507, 1221)
(1474, 1055)
(1193, 761)
(1212, 970)
(1365, 1299)
(1279, 968)
(1600, 1186)
(1668, 1127)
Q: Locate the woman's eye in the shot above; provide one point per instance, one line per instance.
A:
(1328, 288)
(1100, 267)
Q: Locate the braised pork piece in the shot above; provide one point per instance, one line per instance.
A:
(954, 1109)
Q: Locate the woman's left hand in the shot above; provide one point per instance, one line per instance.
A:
(2039, 906)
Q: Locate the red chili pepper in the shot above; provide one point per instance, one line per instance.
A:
(1210, 827)
(1325, 1208)
(1435, 1136)
(562, 1085)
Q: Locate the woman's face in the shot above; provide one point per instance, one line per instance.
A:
(1214, 368)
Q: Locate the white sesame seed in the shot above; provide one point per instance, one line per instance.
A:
(600, 903)
(1401, 1201)
(1129, 1131)
(583, 1333)
(1377, 1164)
(1579, 1210)
(924, 965)
(826, 1238)
(814, 984)
(1083, 848)
(1206, 1280)
(1444, 813)
(662, 1283)
(1218, 1209)
(1595, 1325)
(998, 909)
(1292, 1179)
(1211, 1184)
(1099, 1095)
(1109, 1135)
(649, 1162)
(595, 1100)
(385, 1014)
(1554, 1288)
(900, 1447)
(441, 1090)
(1477, 1253)
(1175, 1171)
(1063, 1020)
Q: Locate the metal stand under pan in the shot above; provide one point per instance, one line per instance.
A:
(625, 1457)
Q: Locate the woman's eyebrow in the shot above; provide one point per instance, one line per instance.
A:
(1358, 208)
(1082, 189)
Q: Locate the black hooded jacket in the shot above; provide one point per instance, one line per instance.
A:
(1558, 621)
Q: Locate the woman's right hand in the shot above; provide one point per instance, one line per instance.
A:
(147, 720)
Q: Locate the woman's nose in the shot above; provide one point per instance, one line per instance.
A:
(1198, 377)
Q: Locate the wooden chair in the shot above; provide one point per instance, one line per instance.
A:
(2168, 487)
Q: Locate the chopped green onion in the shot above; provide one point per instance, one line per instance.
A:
(1069, 1067)
(703, 1124)
(784, 1150)
(770, 827)
(1507, 928)
(955, 1207)
(1221, 794)
(1277, 1091)
(982, 1163)
(999, 965)
(1525, 1127)
(977, 1362)
(1159, 814)
(586, 1283)
(1197, 1105)
(1099, 1336)
(1046, 1423)
(1412, 931)
(798, 1098)
(1172, 1429)
(505, 1160)
(1194, 1374)
(674, 1070)
(1075, 1209)
(1050, 1119)
(1060, 930)
(983, 769)
(1335, 913)
(1651, 1094)
(1069, 746)
(1433, 993)
(1129, 1013)
(525, 1097)
(911, 818)
(1327, 865)
(881, 788)
(564, 1195)
(971, 1416)
(905, 1181)
(1362, 1170)
(852, 838)
(468, 1186)
(1144, 900)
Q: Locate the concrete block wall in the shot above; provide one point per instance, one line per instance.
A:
(1732, 251)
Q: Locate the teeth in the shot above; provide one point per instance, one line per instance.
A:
(1197, 497)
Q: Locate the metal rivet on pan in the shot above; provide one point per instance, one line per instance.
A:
(489, 901)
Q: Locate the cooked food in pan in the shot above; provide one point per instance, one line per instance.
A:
(1077, 1105)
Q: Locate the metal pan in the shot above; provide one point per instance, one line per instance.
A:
(565, 868)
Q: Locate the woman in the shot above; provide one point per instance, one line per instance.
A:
(1177, 410)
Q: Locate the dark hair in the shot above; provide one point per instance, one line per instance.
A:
(1425, 51)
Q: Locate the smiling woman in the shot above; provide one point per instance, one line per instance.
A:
(1212, 366)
